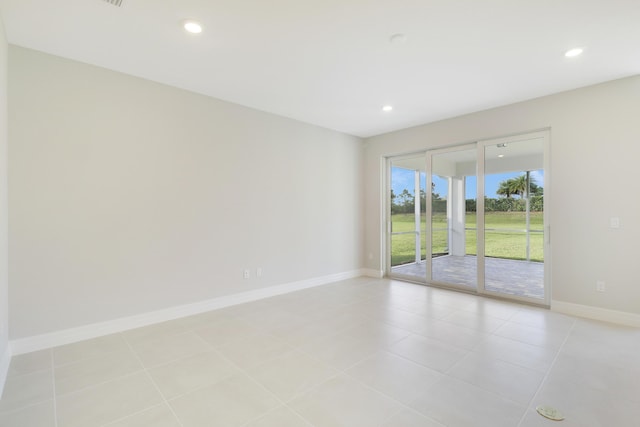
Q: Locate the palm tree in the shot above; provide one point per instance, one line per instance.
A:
(504, 189)
(518, 185)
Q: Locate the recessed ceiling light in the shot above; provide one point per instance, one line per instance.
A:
(571, 53)
(387, 108)
(193, 27)
(500, 155)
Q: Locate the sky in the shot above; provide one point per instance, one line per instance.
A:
(403, 178)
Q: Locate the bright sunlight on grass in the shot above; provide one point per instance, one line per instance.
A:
(504, 236)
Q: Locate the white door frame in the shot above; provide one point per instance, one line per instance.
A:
(480, 175)
(544, 135)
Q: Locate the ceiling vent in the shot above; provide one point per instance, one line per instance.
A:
(117, 3)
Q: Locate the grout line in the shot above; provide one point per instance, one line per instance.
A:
(164, 400)
(126, 417)
(55, 394)
(546, 376)
(259, 384)
(25, 407)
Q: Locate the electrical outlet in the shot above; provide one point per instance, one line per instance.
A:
(614, 222)
(259, 272)
(600, 286)
(247, 273)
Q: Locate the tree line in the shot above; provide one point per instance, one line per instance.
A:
(405, 201)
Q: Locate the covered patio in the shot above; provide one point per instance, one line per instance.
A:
(507, 276)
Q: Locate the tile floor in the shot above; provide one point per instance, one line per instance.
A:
(363, 352)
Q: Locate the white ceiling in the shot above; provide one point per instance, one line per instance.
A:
(330, 62)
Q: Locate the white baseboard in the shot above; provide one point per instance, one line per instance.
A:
(597, 313)
(5, 360)
(370, 272)
(94, 330)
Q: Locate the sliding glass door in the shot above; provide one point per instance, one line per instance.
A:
(496, 244)
(452, 225)
(514, 219)
(406, 213)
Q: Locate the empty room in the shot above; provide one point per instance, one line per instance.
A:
(319, 213)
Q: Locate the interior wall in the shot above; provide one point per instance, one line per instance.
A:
(4, 264)
(128, 196)
(595, 147)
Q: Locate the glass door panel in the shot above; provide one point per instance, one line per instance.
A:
(494, 244)
(407, 203)
(453, 217)
(514, 217)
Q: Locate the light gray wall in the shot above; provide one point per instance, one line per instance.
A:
(4, 264)
(128, 196)
(595, 158)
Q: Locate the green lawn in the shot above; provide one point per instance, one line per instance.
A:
(500, 241)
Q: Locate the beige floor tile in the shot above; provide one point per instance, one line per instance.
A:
(30, 362)
(246, 308)
(272, 318)
(621, 382)
(27, 389)
(90, 348)
(428, 352)
(615, 335)
(328, 325)
(498, 309)
(547, 338)
(166, 349)
(154, 332)
(372, 309)
(476, 321)
(39, 415)
(455, 335)
(423, 307)
(598, 341)
(157, 416)
(87, 372)
(406, 320)
(505, 379)
(291, 374)
(107, 402)
(254, 349)
(458, 404)
(431, 310)
(343, 350)
(394, 376)
(225, 332)
(409, 418)
(457, 300)
(205, 319)
(518, 353)
(585, 406)
(543, 319)
(229, 403)
(377, 332)
(280, 417)
(343, 401)
(185, 375)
